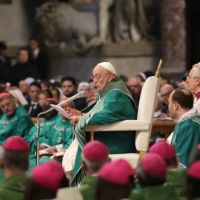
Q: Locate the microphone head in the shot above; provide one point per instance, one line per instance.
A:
(76, 96)
(82, 94)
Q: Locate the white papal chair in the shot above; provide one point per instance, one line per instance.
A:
(142, 125)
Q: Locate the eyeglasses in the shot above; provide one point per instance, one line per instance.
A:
(97, 77)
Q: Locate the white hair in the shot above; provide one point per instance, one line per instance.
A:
(82, 86)
(196, 72)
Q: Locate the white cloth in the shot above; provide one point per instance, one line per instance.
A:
(70, 156)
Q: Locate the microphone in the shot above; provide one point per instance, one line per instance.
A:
(76, 96)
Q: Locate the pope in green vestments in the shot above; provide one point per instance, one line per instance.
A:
(114, 103)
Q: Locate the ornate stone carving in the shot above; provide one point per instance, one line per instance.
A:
(62, 23)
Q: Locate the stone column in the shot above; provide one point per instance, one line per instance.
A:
(173, 25)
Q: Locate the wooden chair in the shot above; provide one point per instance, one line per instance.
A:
(142, 125)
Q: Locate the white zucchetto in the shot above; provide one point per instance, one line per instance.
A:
(108, 66)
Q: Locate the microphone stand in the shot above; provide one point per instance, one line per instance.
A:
(80, 94)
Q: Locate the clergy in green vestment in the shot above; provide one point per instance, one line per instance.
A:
(186, 133)
(57, 139)
(94, 156)
(14, 163)
(114, 103)
(151, 175)
(60, 135)
(14, 120)
(115, 180)
(45, 180)
(45, 126)
(56, 134)
(175, 176)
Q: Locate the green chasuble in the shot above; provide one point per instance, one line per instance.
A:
(176, 178)
(164, 192)
(12, 188)
(17, 124)
(87, 187)
(186, 136)
(114, 103)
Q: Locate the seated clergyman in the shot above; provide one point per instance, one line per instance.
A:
(114, 103)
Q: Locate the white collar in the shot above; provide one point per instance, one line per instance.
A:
(191, 112)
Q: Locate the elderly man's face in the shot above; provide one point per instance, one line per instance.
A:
(101, 77)
(8, 106)
(193, 82)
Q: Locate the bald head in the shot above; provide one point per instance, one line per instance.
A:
(134, 85)
(102, 76)
(167, 88)
(165, 91)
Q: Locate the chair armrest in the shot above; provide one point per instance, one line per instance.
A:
(126, 125)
